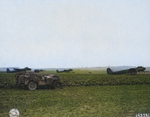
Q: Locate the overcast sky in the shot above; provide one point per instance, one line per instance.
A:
(74, 33)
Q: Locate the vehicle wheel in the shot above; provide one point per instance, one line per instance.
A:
(58, 85)
(32, 85)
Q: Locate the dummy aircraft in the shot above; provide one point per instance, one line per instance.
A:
(14, 70)
(132, 71)
(63, 70)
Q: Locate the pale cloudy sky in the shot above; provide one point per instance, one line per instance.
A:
(74, 33)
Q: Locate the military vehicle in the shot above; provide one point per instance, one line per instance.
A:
(32, 80)
(132, 71)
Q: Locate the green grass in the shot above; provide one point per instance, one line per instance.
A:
(83, 101)
(84, 94)
(88, 71)
(7, 80)
(78, 71)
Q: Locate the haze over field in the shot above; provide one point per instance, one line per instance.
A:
(72, 33)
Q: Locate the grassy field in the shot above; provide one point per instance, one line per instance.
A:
(83, 101)
(79, 71)
(77, 98)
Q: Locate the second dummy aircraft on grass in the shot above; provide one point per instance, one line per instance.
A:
(132, 71)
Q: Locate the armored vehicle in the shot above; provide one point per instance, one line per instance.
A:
(32, 80)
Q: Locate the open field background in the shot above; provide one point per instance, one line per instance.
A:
(84, 94)
(83, 101)
(96, 70)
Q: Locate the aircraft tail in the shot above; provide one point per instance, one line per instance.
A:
(109, 71)
(8, 71)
